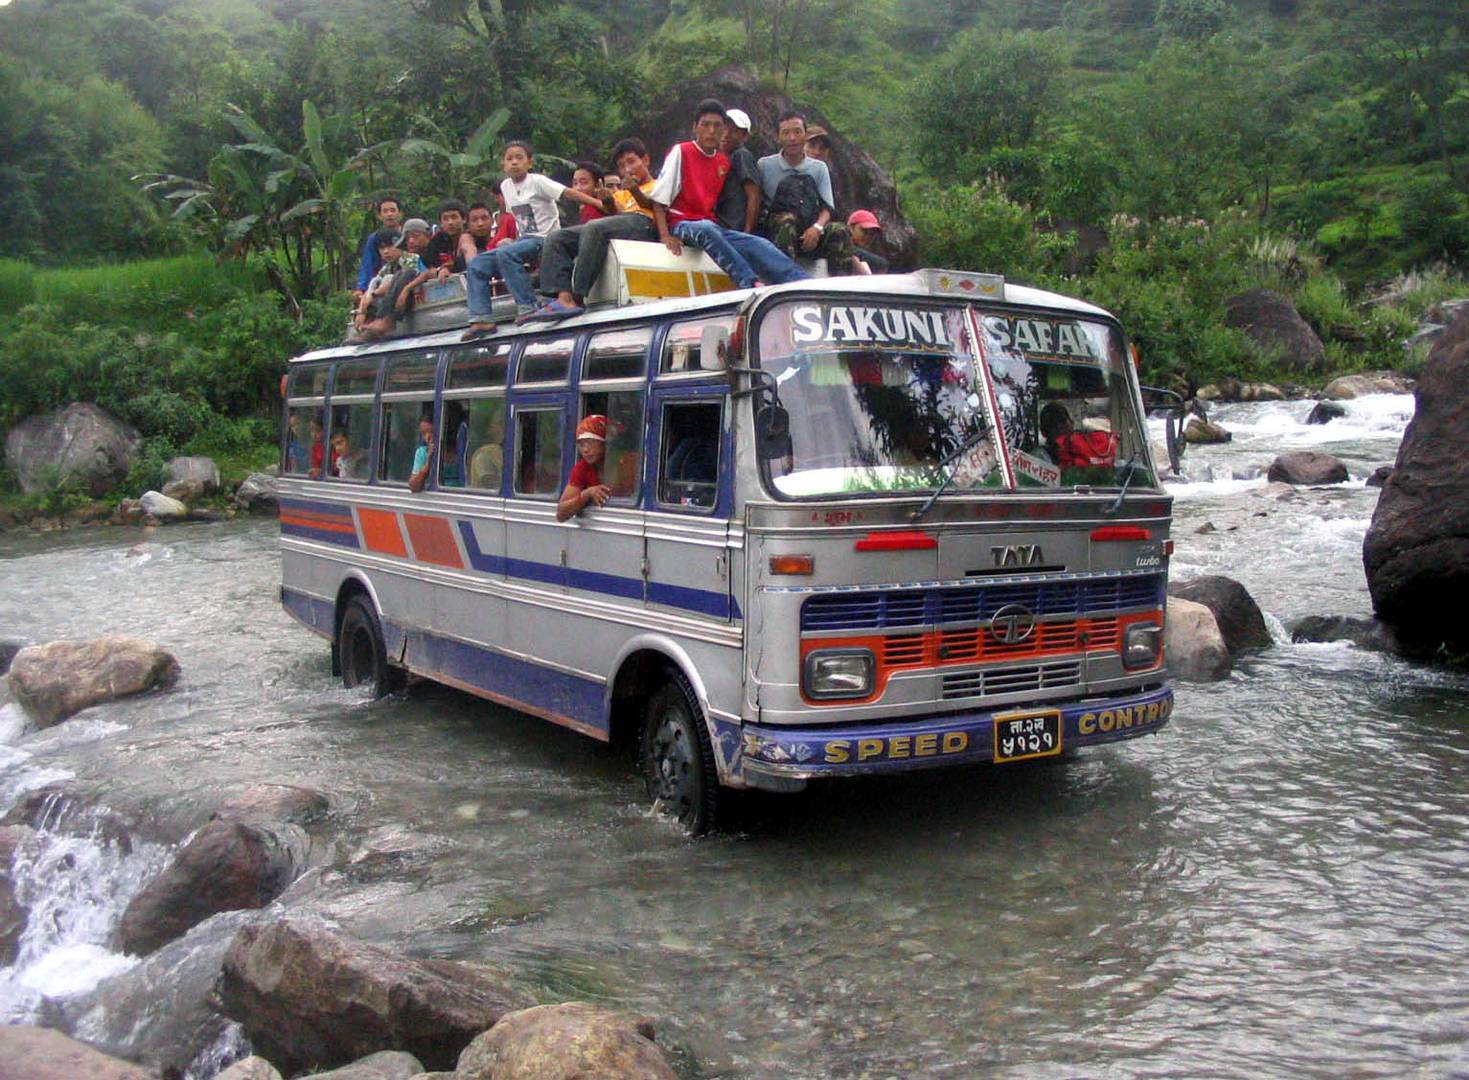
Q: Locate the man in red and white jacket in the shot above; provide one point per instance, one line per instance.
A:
(684, 202)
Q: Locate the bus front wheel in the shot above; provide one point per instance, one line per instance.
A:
(677, 759)
(361, 652)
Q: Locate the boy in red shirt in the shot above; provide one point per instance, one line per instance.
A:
(685, 199)
(584, 486)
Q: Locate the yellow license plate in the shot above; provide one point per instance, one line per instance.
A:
(1019, 736)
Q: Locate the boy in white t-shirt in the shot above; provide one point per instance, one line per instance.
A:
(531, 197)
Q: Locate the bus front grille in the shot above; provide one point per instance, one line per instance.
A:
(1012, 680)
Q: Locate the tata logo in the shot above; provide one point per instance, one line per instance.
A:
(1012, 624)
(1018, 555)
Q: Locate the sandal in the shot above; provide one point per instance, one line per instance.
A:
(475, 332)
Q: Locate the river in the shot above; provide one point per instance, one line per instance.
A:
(1275, 885)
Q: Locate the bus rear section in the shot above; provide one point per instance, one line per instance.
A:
(959, 550)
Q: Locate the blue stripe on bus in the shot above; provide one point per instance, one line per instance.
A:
(534, 685)
(701, 601)
(325, 535)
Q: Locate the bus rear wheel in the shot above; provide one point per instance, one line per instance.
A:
(361, 652)
(677, 760)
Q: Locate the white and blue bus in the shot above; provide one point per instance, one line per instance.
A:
(857, 525)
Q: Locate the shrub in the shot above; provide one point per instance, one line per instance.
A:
(968, 228)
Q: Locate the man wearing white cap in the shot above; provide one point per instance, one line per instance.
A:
(739, 200)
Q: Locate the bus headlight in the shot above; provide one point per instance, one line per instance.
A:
(1141, 645)
(839, 673)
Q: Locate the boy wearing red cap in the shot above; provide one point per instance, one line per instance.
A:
(866, 232)
(584, 486)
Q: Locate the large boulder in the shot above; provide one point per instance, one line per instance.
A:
(1307, 467)
(225, 866)
(1192, 642)
(384, 1065)
(566, 1042)
(34, 1053)
(1200, 432)
(63, 809)
(1363, 633)
(858, 182)
(250, 1068)
(198, 467)
(81, 442)
(13, 914)
(1240, 621)
(1272, 323)
(258, 494)
(1346, 387)
(61, 678)
(311, 997)
(273, 802)
(162, 507)
(1417, 549)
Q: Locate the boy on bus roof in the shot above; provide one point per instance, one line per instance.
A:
(530, 198)
(389, 216)
(573, 258)
(443, 247)
(739, 199)
(685, 198)
(799, 201)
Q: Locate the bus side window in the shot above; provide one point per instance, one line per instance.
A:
(401, 438)
(484, 445)
(688, 466)
(538, 452)
(622, 467)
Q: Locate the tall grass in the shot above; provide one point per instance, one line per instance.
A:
(17, 285)
(154, 293)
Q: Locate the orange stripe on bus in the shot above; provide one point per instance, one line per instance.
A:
(433, 541)
(380, 531)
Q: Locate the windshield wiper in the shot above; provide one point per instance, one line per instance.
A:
(964, 447)
(1112, 510)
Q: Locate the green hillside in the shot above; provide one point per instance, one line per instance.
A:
(1319, 147)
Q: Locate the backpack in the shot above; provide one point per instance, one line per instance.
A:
(797, 195)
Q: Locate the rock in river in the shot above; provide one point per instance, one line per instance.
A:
(1194, 646)
(56, 680)
(13, 915)
(163, 507)
(566, 1042)
(81, 442)
(258, 494)
(1241, 623)
(1307, 467)
(309, 996)
(225, 866)
(1363, 633)
(1347, 387)
(1202, 432)
(34, 1053)
(1325, 412)
(1417, 549)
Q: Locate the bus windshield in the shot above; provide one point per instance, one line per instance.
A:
(888, 396)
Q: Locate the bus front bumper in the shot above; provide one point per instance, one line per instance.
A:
(783, 758)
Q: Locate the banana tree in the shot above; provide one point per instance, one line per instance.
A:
(475, 166)
(291, 209)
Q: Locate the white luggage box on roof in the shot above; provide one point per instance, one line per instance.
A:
(637, 271)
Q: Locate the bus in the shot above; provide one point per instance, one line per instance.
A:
(857, 525)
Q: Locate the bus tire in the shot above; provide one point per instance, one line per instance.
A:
(361, 653)
(676, 758)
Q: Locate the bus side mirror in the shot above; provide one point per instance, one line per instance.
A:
(772, 432)
(714, 347)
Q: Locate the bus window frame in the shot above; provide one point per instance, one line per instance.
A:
(573, 359)
(348, 401)
(557, 403)
(309, 401)
(715, 393)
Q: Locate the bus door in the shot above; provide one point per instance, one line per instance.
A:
(690, 500)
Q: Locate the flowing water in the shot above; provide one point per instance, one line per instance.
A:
(1275, 885)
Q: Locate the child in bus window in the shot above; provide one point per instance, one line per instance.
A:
(318, 449)
(423, 455)
(584, 486)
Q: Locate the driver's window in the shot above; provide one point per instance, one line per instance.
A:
(688, 455)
